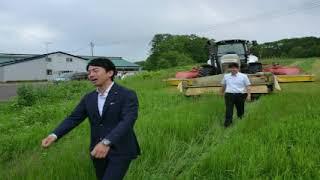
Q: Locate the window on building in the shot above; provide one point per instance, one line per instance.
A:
(69, 59)
(49, 71)
(48, 59)
(63, 72)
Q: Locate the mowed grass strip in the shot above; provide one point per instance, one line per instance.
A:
(279, 138)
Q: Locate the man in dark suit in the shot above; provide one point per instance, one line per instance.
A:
(112, 111)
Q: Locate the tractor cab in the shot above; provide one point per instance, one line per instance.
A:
(222, 53)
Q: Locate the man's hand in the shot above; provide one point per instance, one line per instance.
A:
(249, 93)
(249, 97)
(100, 151)
(222, 90)
(46, 142)
(221, 93)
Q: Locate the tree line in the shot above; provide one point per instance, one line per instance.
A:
(294, 48)
(169, 50)
(175, 50)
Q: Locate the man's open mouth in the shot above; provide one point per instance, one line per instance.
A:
(94, 80)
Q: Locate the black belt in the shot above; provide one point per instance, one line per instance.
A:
(235, 93)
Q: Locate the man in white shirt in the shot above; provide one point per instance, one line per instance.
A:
(235, 87)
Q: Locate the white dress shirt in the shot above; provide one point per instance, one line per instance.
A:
(101, 100)
(235, 83)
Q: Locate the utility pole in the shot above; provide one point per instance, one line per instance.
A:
(47, 46)
(92, 46)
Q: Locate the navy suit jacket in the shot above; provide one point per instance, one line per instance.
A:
(119, 114)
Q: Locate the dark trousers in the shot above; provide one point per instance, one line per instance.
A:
(111, 168)
(231, 100)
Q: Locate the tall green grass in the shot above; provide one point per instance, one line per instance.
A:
(279, 138)
(181, 137)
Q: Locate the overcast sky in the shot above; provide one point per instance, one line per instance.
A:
(125, 28)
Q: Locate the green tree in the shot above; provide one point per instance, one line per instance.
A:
(174, 58)
(298, 52)
(174, 50)
(294, 47)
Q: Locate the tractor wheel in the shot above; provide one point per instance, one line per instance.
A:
(255, 97)
(207, 70)
(254, 68)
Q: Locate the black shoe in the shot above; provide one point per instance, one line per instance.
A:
(227, 124)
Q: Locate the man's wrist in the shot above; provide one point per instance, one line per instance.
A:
(105, 142)
(53, 135)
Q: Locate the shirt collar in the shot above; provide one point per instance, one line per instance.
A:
(234, 74)
(105, 93)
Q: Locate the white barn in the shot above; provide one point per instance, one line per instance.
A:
(33, 67)
(41, 67)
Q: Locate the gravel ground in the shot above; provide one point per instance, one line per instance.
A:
(9, 90)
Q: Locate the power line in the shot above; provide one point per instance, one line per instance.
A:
(113, 43)
(264, 15)
(271, 14)
(79, 49)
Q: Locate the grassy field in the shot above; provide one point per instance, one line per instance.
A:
(181, 138)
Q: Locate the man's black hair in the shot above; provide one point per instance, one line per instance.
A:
(231, 65)
(105, 63)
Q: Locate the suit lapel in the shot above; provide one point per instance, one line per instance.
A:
(110, 98)
(94, 102)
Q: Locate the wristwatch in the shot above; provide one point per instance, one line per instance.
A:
(106, 142)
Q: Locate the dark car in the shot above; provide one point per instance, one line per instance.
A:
(71, 76)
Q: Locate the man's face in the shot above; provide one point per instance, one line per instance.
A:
(234, 70)
(98, 75)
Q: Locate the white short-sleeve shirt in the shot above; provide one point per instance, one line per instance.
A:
(235, 83)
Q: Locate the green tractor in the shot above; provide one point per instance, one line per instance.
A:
(222, 53)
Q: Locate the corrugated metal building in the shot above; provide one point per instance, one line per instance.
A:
(32, 67)
(120, 63)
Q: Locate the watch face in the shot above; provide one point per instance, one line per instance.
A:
(105, 142)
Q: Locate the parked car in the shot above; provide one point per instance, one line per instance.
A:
(79, 76)
(71, 76)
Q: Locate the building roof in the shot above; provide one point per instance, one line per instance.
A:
(8, 59)
(5, 57)
(117, 61)
(26, 58)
